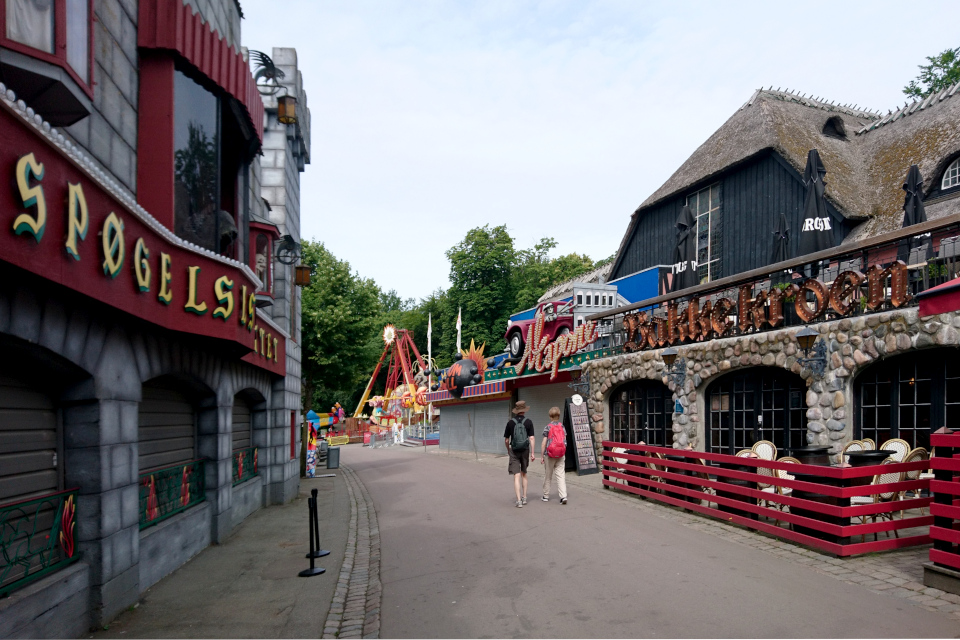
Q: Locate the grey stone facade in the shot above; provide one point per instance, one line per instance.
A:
(101, 359)
(853, 344)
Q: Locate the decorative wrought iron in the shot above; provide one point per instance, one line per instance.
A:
(676, 373)
(288, 250)
(817, 363)
(36, 538)
(169, 490)
(581, 382)
(267, 75)
(245, 465)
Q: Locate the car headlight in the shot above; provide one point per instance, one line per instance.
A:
(509, 323)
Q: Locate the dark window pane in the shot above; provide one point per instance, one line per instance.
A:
(196, 188)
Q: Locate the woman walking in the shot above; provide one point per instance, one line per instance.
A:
(553, 454)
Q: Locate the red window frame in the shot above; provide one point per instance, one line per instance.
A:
(272, 236)
(59, 57)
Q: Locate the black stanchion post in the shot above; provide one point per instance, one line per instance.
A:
(315, 550)
(311, 517)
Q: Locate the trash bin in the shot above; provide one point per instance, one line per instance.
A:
(323, 446)
(333, 458)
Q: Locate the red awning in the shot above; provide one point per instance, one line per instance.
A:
(940, 299)
(170, 24)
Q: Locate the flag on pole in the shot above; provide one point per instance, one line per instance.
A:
(459, 325)
(429, 348)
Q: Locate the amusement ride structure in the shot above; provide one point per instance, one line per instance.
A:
(402, 392)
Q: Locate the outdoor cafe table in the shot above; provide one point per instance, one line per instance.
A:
(819, 456)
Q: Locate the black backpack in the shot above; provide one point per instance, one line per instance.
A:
(520, 440)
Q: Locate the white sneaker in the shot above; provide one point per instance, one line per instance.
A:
(523, 499)
(563, 501)
(519, 504)
(545, 499)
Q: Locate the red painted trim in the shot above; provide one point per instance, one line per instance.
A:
(172, 25)
(59, 55)
(945, 558)
(293, 435)
(155, 129)
(538, 380)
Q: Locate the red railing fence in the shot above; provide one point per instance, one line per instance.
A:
(831, 509)
(945, 509)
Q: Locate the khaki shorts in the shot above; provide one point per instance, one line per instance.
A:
(519, 461)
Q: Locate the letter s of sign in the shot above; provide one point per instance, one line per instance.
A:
(27, 166)
(113, 245)
(77, 219)
(141, 268)
(223, 290)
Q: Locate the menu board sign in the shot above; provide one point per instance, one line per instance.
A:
(577, 423)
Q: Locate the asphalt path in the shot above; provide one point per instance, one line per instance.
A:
(459, 560)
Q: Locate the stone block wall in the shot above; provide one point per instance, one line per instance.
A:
(112, 356)
(852, 345)
(109, 133)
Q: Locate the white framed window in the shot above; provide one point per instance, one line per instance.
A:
(951, 177)
(705, 205)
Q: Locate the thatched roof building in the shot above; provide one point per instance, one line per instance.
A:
(866, 155)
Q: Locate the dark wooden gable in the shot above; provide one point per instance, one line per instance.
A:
(753, 195)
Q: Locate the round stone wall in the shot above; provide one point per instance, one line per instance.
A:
(852, 344)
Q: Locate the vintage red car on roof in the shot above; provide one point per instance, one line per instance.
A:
(557, 321)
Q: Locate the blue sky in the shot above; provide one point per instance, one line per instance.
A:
(556, 118)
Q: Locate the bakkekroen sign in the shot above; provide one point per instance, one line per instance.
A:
(62, 226)
(713, 320)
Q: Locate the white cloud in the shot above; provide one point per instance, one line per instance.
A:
(556, 118)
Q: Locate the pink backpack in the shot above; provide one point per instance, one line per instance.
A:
(555, 446)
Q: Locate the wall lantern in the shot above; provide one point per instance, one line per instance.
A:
(808, 343)
(287, 109)
(676, 370)
(301, 276)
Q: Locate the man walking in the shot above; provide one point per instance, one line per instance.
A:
(519, 438)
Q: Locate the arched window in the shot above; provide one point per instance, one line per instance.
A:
(951, 177)
(908, 396)
(642, 410)
(756, 404)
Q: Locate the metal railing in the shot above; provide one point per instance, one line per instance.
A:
(167, 491)
(816, 506)
(245, 465)
(37, 537)
(844, 282)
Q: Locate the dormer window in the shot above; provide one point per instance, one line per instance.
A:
(834, 128)
(951, 177)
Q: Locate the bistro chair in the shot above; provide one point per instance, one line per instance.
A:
(868, 444)
(784, 475)
(902, 448)
(915, 455)
(888, 496)
(765, 450)
(619, 461)
(852, 446)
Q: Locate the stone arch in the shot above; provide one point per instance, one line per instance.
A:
(641, 410)
(40, 389)
(253, 407)
(754, 403)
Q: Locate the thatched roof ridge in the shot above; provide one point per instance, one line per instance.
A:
(865, 166)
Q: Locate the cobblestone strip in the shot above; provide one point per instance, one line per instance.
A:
(895, 573)
(355, 610)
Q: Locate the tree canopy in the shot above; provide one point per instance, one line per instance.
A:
(942, 72)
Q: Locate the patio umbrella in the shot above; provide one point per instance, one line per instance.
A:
(781, 250)
(817, 231)
(914, 213)
(685, 254)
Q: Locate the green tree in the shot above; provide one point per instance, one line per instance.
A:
(340, 320)
(942, 72)
(482, 285)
